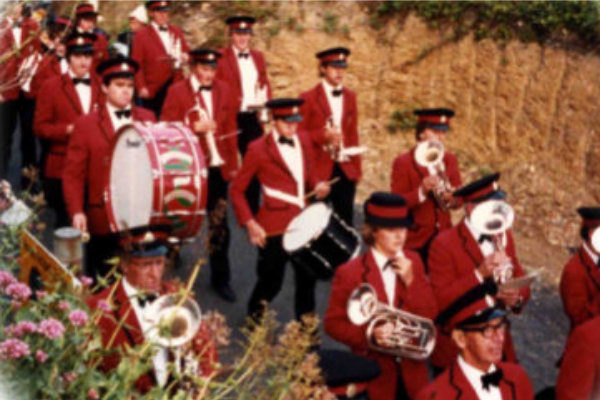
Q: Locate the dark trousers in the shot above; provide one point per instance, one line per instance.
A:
(155, 103)
(54, 197)
(251, 129)
(401, 393)
(218, 230)
(99, 249)
(20, 109)
(270, 269)
(342, 195)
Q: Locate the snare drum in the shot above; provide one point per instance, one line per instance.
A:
(320, 241)
(157, 176)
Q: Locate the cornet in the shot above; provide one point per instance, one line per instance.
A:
(494, 218)
(213, 151)
(336, 152)
(414, 336)
(430, 154)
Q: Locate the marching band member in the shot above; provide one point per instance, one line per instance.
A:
(61, 101)
(159, 48)
(85, 22)
(580, 280)
(142, 263)
(19, 31)
(85, 172)
(184, 100)
(330, 116)
(478, 373)
(138, 18)
(399, 279)
(417, 185)
(281, 161)
(461, 258)
(244, 69)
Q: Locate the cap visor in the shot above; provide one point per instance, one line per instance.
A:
(438, 127)
(293, 118)
(390, 222)
(242, 30)
(151, 252)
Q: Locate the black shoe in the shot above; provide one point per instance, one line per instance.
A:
(226, 292)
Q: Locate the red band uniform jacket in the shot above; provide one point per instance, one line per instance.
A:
(316, 112)
(181, 99)
(406, 179)
(580, 288)
(148, 51)
(418, 299)
(87, 166)
(58, 105)
(452, 384)
(579, 376)
(453, 257)
(264, 161)
(131, 334)
(228, 71)
(49, 67)
(29, 44)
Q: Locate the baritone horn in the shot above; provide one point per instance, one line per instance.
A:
(430, 154)
(414, 336)
(494, 218)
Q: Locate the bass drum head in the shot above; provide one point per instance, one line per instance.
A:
(308, 225)
(131, 188)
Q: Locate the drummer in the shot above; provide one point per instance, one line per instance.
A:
(281, 163)
(88, 155)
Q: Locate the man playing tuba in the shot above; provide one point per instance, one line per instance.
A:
(399, 280)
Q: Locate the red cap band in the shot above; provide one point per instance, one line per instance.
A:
(333, 57)
(85, 9)
(118, 68)
(434, 119)
(481, 192)
(241, 25)
(590, 223)
(158, 4)
(387, 212)
(62, 21)
(80, 41)
(285, 111)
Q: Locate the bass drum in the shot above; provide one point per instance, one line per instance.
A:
(320, 241)
(157, 176)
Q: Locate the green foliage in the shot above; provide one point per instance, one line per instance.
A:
(402, 120)
(567, 22)
(260, 10)
(330, 23)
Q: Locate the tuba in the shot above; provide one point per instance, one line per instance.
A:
(213, 151)
(493, 218)
(174, 321)
(414, 336)
(430, 154)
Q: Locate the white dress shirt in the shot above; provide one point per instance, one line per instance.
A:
(474, 377)
(206, 95)
(117, 122)
(161, 357)
(388, 276)
(84, 92)
(292, 156)
(64, 65)
(590, 253)
(16, 32)
(248, 77)
(336, 103)
(165, 38)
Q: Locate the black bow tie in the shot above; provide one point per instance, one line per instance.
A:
(144, 299)
(389, 264)
(337, 92)
(491, 378)
(243, 55)
(163, 28)
(83, 81)
(284, 140)
(16, 25)
(123, 113)
(207, 88)
(483, 238)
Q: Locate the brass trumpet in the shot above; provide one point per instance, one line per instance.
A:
(494, 218)
(430, 154)
(414, 336)
(337, 153)
(215, 159)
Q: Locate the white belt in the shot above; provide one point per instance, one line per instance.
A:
(283, 196)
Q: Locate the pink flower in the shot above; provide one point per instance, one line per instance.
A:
(6, 278)
(18, 291)
(41, 356)
(93, 394)
(11, 349)
(86, 281)
(40, 294)
(103, 305)
(69, 376)
(78, 317)
(64, 305)
(51, 328)
(20, 329)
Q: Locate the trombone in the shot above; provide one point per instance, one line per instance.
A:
(430, 154)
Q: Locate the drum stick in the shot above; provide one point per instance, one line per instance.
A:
(230, 134)
(331, 182)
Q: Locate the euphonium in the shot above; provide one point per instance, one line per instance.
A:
(430, 154)
(494, 218)
(414, 336)
(213, 151)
